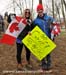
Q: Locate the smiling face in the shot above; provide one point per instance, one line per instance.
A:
(40, 13)
(27, 13)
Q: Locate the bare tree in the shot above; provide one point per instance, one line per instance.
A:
(63, 13)
(64, 4)
(53, 8)
(32, 8)
(26, 3)
(32, 5)
(49, 9)
(40, 1)
(19, 5)
(14, 5)
(57, 10)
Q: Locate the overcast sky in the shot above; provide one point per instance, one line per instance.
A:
(5, 4)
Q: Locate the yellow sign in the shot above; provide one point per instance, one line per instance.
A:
(38, 43)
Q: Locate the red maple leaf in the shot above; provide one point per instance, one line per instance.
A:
(14, 27)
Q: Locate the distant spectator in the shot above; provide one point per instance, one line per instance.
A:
(1, 23)
(5, 20)
(11, 17)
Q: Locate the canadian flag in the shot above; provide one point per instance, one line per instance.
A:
(56, 30)
(14, 29)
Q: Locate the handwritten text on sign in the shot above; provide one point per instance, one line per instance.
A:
(38, 43)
